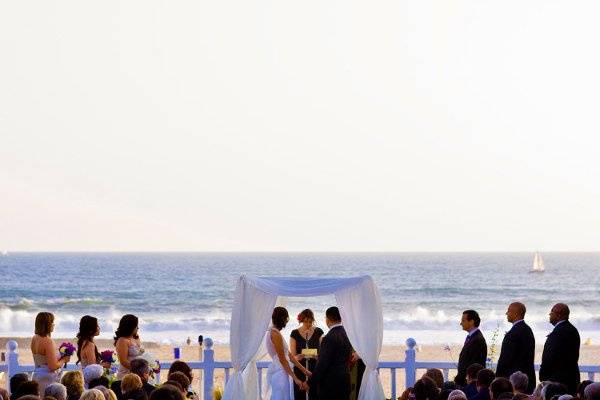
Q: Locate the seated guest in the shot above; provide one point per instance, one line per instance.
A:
(91, 372)
(166, 392)
(406, 394)
(457, 395)
(132, 387)
(92, 394)
(592, 391)
(15, 381)
(436, 376)
(29, 397)
(552, 389)
(49, 398)
(563, 397)
(485, 377)
(519, 381)
(27, 388)
(182, 380)
(176, 385)
(73, 381)
(537, 392)
(56, 390)
(425, 389)
(140, 367)
(108, 394)
(471, 388)
(4, 394)
(500, 386)
(521, 396)
(181, 366)
(581, 388)
(98, 382)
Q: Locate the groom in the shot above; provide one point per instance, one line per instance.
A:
(332, 373)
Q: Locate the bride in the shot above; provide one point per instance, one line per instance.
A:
(280, 371)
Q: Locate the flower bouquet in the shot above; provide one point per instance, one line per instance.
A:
(108, 357)
(66, 349)
(153, 364)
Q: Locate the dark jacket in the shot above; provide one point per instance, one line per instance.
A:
(332, 373)
(561, 355)
(483, 394)
(517, 352)
(474, 351)
(470, 390)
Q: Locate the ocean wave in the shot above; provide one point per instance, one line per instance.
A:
(24, 303)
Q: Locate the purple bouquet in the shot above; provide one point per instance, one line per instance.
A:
(108, 356)
(66, 349)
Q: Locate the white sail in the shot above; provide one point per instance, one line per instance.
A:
(538, 263)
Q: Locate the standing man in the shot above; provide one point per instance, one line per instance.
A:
(561, 350)
(518, 347)
(474, 350)
(332, 372)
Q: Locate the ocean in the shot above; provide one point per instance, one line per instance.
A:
(181, 295)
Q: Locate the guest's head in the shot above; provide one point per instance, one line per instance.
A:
(138, 394)
(176, 385)
(581, 388)
(181, 379)
(16, 380)
(92, 394)
(49, 398)
(505, 396)
(140, 367)
(472, 371)
(280, 317)
(29, 397)
(97, 382)
(28, 388)
(332, 316)
(406, 394)
(592, 391)
(521, 396)
(4, 394)
(88, 328)
(470, 320)
(498, 386)
(537, 392)
(553, 389)
(520, 381)
(107, 393)
(128, 327)
(559, 312)
(425, 389)
(564, 397)
(485, 377)
(131, 382)
(516, 312)
(56, 390)
(166, 392)
(457, 395)
(73, 381)
(44, 324)
(435, 375)
(181, 366)
(306, 317)
(92, 372)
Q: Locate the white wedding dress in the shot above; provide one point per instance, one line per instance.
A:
(279, 382)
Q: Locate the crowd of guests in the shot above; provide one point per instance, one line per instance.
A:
(92, 382)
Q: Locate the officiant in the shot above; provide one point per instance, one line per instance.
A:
(304, 345)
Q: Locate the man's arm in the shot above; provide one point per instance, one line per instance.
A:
(325, 355)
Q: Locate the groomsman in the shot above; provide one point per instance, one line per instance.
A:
(518, 347)
(474, 350)
(561, 350)
(332, 373)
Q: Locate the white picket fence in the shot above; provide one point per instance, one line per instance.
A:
(208, 365)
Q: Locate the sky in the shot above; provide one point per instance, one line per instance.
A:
(299, 126)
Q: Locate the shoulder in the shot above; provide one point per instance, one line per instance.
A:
(318, 331)
(295, 333)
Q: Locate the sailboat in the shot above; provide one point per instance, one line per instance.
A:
(538, 263)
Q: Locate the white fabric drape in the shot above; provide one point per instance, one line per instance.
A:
(255, 297)
(360, 308)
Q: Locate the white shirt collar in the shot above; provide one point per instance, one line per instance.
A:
(516, 322)
(335, 326)
(559, 322)
(472, 331)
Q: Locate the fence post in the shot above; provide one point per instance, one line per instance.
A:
(12, 360)
(209, 359)
(411, 370)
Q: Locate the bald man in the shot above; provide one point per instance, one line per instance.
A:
(518, 347)
(561, 350)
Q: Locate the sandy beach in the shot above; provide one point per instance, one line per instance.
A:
(588, 355)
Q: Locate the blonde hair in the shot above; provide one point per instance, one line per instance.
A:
(92, 394)
(73, 381)
(130, 382)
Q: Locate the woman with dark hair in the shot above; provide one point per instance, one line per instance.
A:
(127, 343)
(87, 352)
(280, 372)
(183, 367)
(46, 358)
(307, 336)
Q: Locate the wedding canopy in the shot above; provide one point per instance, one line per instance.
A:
(255, 297)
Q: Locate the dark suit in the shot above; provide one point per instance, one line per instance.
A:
(482, 394)
(332, 373)
(560, 356)
(474, 351)
(518, 350)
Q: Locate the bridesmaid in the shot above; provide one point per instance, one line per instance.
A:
(46, 358)
(127, 343)
(298, 341)
(87, 352)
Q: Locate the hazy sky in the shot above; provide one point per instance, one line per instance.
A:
(287, 125)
